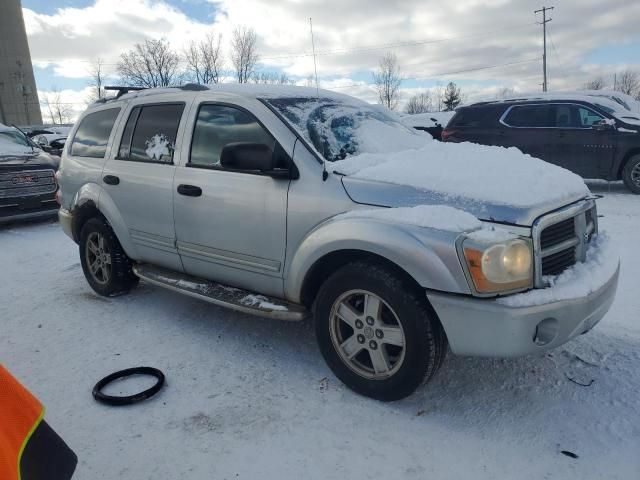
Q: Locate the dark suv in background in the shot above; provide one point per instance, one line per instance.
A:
(594, 137)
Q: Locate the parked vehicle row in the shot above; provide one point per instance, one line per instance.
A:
(27, 178)
(229, 194)
(594, 135)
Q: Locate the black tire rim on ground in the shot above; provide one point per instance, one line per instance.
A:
(130, 399)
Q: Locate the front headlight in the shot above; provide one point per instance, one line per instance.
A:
(499, 266)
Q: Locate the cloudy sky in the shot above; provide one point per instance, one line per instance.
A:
(483, 45)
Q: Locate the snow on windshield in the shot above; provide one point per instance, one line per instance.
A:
(339, 129)
(13, 142)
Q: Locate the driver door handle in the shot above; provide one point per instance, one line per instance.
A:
(189, 190)
(111, 180)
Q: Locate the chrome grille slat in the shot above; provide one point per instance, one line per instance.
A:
(560, 239)
(9, 188)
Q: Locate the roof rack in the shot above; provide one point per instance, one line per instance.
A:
(122, 90)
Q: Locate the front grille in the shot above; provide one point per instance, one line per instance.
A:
(564, 242)
(26, 183)
(557, 263)
(558, 233)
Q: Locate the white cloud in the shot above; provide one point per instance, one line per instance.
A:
(445, 37)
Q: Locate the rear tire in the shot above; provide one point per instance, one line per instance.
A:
(104, 263)
(631, 174)
(384, 355)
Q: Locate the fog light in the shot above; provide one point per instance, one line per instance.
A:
(546, 332)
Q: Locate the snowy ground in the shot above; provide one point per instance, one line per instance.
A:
(252, 398)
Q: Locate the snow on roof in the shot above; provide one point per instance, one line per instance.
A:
(605, 99)
(248, 90)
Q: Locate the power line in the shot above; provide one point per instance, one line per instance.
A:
(341, 51)
(444, 74)
(396, 45)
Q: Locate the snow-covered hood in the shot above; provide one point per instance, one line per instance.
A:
(492, 183)
(10, 160)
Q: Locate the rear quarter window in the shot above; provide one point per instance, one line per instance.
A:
(93, 133)
(471, 117)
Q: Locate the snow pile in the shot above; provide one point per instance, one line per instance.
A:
(440, 217)
(261, 302)
(577, 281)
(503, 176)
(427, 119)
(159, 146)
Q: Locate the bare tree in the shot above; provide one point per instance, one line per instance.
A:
(505, 92)
(272, 78)
(59, 112)
(244, 53)
(595, 84)
(420, 103)
(628, 82)
(150, 64)
(96, 73)
(388, 80)
(204, 59)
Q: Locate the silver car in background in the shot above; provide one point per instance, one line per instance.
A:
(226, 194)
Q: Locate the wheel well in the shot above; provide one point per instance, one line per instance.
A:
(630, 153)
(81, 215)
(325, 266)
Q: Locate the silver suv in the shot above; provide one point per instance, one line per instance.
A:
(246, 197)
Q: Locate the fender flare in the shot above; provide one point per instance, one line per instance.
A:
(92, 193)
(429, 256)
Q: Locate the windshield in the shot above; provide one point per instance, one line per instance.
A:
(338, 129)
(14, 138)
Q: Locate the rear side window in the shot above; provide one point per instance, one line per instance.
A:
(150, 133)
(92, 135)
(470, 117)
(531, 116)
(218, 126)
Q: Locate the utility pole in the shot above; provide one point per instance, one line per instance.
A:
(545, 20)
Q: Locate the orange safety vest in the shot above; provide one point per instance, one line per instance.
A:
(20, 415)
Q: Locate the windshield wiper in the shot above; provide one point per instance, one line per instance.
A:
(26, 137)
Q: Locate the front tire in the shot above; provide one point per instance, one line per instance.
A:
(631, 174)
(104, 263)
(376, 331)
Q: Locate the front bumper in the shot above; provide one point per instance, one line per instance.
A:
(486, 328)
(26, 208)
(65, 218)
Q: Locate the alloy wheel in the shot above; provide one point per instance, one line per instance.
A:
(367, 334)
(98, 258)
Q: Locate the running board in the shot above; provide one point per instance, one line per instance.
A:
(222, 295)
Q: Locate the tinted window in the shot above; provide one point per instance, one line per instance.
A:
(470, 117)
(150, 133)
(533, 116)
(93, 133)
(218, 126)
(588, 118)
(127, 135)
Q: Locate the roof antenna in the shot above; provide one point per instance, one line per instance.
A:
(325, 174)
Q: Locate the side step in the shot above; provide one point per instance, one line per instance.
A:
(222, 295)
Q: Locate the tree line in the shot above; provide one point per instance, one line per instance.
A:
(154, 63)
(388, 79)
(627, 82)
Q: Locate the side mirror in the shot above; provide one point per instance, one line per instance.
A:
(605, 125)
(42, 142)
(247, 156)
(253, 157)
